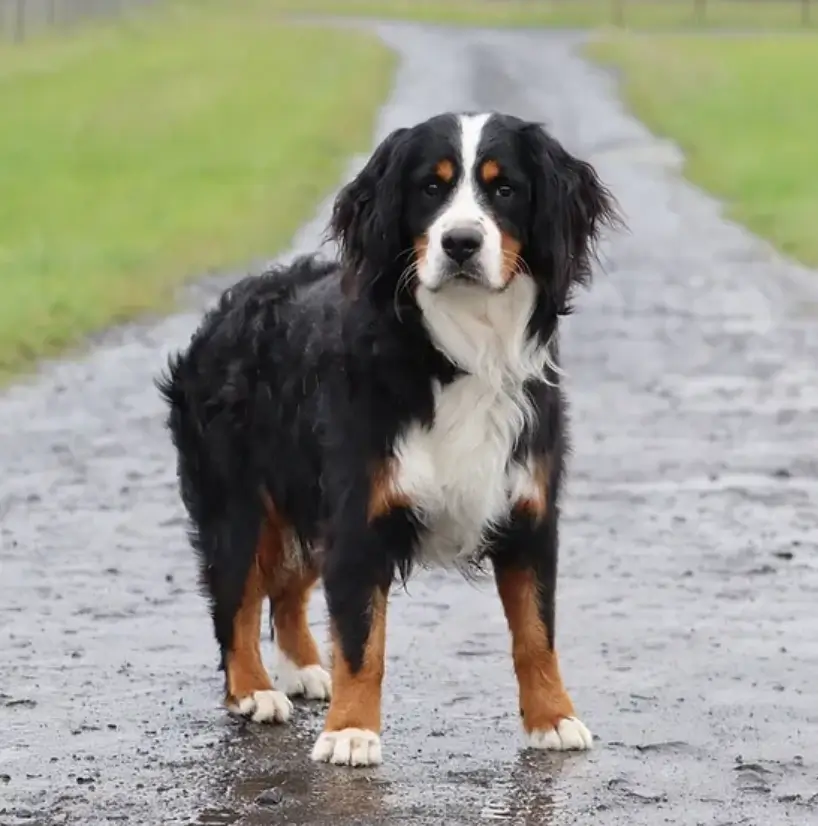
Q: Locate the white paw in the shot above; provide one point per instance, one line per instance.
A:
(264, 707)
(348, 747)
(570, 734)
(312, 681)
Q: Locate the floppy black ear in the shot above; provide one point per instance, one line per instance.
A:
(570, 208)
(367, 215)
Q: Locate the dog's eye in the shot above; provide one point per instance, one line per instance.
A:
(504, 191)
(431, 188)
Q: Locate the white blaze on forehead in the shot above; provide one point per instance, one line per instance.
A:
(464, 210)
(471, 131)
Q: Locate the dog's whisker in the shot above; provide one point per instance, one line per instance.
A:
(380, 274)
(403, 281)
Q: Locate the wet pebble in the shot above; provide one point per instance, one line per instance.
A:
(270, 797)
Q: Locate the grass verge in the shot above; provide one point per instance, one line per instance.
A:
(139, 154)
(637, 14)
(745, 112)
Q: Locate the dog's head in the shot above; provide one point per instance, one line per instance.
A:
(474, 199)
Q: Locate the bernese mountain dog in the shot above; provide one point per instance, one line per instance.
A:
(350, 419)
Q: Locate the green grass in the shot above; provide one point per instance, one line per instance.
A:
(638, 14)
(745, 112)
(135, 156)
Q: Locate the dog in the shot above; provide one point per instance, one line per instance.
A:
(397, 406)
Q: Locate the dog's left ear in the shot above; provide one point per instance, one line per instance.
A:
(366, 216)
(570, 208)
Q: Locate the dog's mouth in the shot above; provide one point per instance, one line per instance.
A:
(468, 276)
(469, 280)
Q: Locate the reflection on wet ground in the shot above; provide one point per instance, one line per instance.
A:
(296, 791)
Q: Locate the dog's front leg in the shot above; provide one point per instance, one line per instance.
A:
(358, 571)
(525, 567)
(351, 735)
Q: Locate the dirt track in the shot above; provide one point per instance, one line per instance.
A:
(689, 596)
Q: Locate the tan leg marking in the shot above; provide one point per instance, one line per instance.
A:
(250, 690)
(353, 724)
(292, 629)
(289, 580)
(543, 698)
(246, 673)
(356, 702)
(298, 670)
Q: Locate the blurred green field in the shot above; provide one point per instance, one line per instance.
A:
(139, 154)
(638, 14)
(745, 112)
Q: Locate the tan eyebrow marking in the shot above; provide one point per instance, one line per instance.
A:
(489, 171)
(445, 171)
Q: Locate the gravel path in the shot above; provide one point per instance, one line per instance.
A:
(688, 626)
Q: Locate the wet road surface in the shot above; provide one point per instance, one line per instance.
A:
(688, 613)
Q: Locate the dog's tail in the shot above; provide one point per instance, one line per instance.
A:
(222, 500)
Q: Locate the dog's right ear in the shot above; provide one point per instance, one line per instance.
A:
(366, 217)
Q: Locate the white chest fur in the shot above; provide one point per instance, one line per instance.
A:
(458, 472)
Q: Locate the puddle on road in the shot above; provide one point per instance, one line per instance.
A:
(438, 780)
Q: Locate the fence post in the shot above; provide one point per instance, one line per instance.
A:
(701, 11)
(805, 12)
(619, 12)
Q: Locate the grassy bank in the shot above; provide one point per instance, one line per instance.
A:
(139, 154)
(637, 14)
(745, 112)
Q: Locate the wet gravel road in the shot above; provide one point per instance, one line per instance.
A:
(688, 618)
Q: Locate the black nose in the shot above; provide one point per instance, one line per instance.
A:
(461, 244)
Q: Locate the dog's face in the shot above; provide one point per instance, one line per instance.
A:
(468, 203)
(472, 199)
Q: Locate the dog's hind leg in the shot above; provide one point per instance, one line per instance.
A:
(237, 556)
(298, 668)
(250, 691)
(289, 577)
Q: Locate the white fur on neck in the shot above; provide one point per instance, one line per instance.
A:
(457, 473)
(486, 332)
